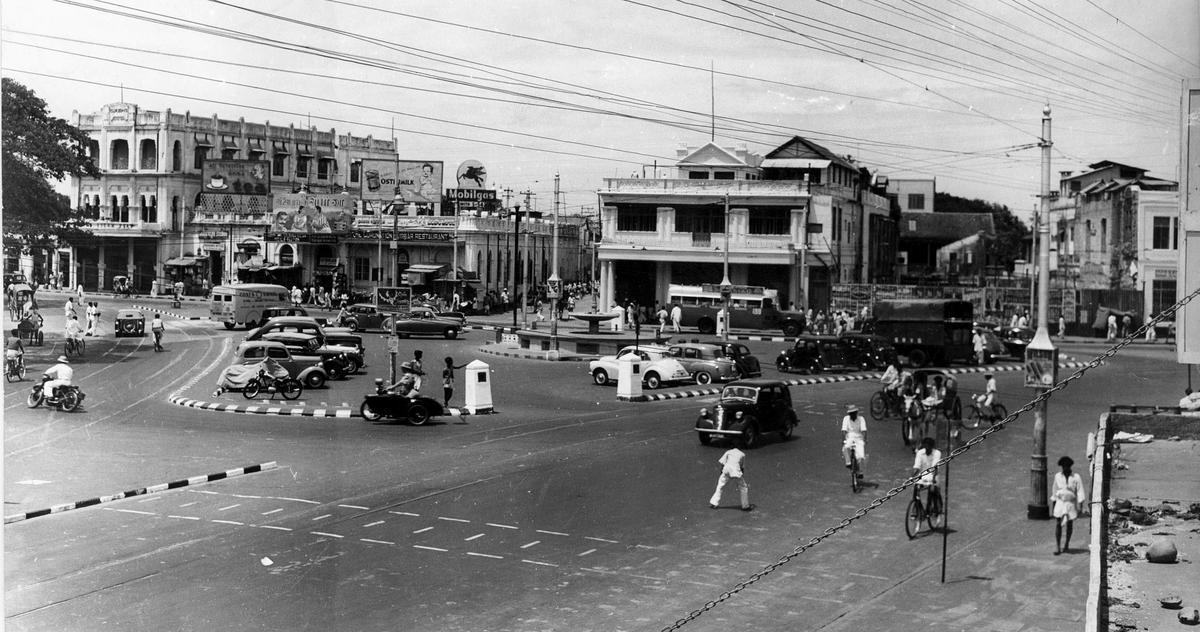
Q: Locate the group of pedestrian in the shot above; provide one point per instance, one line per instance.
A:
(836, 322)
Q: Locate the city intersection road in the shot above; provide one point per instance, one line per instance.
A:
(566, 510)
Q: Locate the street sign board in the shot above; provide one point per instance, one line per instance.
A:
(393, 344)
(393, 299)
(1041, 367)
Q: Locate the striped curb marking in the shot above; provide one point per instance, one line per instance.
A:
(284, 410)
(856, 377)
(164, 312)
(535, 355)
(195, 480)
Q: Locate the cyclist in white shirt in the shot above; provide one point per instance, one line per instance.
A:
(989, 391)
(73, 329)
(927, 456)
(854, 436)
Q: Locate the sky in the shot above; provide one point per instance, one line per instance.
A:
(948, 89)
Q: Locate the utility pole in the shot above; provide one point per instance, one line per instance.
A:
(516, 256)
(1041, 358)
(554, 282)
(726, 286)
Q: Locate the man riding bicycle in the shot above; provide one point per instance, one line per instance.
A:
(74, 331)
(60, 374)
(926, 457)
(14, 351)
(854, 437)
(986, 400)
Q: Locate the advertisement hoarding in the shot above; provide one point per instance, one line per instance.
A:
(393, 299)
(306, 216)
(236, 177)
(416, 181)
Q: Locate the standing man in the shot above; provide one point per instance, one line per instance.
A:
(977, 341)
(662, 319)
(676, 317)
(733, 464)
(157, 328)
(1112, 326)
(417, 369)
(448, 380)
(1062, 327)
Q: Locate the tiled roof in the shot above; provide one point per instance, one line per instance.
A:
(945, 227)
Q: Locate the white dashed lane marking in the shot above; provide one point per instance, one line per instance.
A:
(487, 555)
(376, 541)
(271, 526)
(423, 530)
(230, 522)
(267, 513)
(540, 563)
(429, 548)
(185, 517)
(553, 533)
(321, 517)
(588, 537)
(452, 519)
(230, 507)
(372, 524)
(534, 543)
(587, 552)
(501, 526)
(474, 537)
(354, 507)
(405, 513)
(331, 535)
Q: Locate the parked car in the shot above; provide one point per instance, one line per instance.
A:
(424, 322)
(287, 310)
(706, 363)
(459, 316)
(335, 363)
(307, 369)
(747, 409)
(867, 351)
(658, 366)
(815, 354)
(306, 325)
(747, 364)
(1015, 340)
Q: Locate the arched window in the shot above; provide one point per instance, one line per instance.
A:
(124, 215)
(287, 256)
(150, 209)
(114, 209)
(119, 154)
(177, 156)
(149, 154)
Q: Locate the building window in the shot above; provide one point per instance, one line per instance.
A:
(121, 213)
(200, 156)
(177, 156)
(362, 269)
(323, 168)
(355, 168)
(149, 210)
(1161, 233)
(916, 201)
(837, 223)
(229, 153)
(697, 175)
(638, 219)
(119, 154)
(149, 154)
(301, 167)
(704, 219)
(286, 255)
(256, 155)
(1103, 234)
(723, 175)
(1162, 295)
(770, 221)
(279, 165)
(1175, 233)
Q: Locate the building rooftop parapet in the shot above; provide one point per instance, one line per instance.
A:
(676, 186)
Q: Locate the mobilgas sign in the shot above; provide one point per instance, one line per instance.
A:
(471, 195)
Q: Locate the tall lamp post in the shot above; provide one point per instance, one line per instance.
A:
(554, 282)
(1041, 358)
(726, 286)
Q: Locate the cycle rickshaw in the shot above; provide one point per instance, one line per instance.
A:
(18, 295)
(122, 286)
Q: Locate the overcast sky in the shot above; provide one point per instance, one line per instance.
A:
(604, 88)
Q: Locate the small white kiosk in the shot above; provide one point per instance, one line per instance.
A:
(629, 378)
(478, 388)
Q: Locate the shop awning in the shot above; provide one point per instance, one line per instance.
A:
(425, 268)
(279, 148)
(256, 144)
(794, 163)
(324, 153)
(253, 263)
(303, 149)
(203, 140)
(185, 261)
(228, 142)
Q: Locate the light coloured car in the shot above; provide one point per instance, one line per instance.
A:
(707, 363)
(658, 367)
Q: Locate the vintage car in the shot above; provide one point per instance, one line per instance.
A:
(1015, 340)
(706, 363)
(287, 310)
(307, 345)
(815, 354)
(305, 325)
(747, 409)
(424, 322)
(658, 367)
(307, 369)
(747, 364)
(130, 322)
(866, 351)
(367, 316)
(458, 316)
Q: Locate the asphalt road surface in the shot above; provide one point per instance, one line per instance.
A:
(566, 510)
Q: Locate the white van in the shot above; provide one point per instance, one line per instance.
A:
(244, 303)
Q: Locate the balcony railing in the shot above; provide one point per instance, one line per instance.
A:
(109, 227)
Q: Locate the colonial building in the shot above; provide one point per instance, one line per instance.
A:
(797, 220)
(155, 219)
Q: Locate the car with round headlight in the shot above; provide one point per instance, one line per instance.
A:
(707, 363)
(747, 410)
(658, 367)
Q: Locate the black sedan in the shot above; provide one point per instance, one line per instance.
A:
(867, 351)
(747, 409)
(1016, 339)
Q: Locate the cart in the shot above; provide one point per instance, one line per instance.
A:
(29, 328)
(18, 293)
(123, 287)
(130, 322)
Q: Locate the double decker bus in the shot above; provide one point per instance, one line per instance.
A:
(751, 307)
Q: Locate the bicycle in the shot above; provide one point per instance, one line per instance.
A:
(929, 512)
(75, 347)
(885, 404)
(15, 369)
(855, 470)
(979, 414)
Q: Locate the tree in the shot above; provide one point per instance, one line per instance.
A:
(1008, 246)
(37, 148)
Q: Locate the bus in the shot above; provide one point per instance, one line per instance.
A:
(927, 330)
(244, 303)
(751, 307)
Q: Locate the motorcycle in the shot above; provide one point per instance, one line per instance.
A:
(415, 409)
(68, 399)
(289, 387)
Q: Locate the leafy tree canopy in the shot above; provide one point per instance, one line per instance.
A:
(38, 148)
(1010, 231)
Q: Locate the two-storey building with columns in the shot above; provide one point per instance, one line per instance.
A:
(796, 221)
